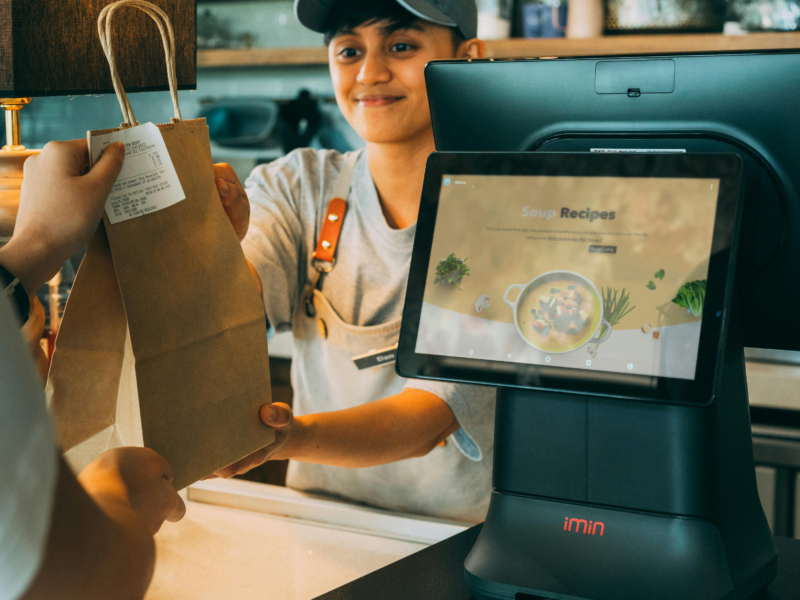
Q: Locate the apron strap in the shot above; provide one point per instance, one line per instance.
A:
(329, 236)
(343, 183)
(323, 259)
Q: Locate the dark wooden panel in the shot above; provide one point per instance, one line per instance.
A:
(51, 47)
(6, 48)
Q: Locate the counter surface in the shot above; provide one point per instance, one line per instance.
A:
(248, 541)
(437, 572)
(245, 540)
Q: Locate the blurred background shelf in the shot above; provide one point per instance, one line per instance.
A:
(639, 44)
(524, 48)
(261, 57)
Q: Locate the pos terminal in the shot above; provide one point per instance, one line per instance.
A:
(596, 292)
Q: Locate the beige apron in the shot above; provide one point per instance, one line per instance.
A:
(443, 483)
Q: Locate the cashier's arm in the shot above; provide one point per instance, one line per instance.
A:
(407, 425)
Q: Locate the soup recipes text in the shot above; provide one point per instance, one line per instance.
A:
(568, 213)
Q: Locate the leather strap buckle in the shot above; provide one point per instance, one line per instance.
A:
(329, 235)
(322, 266)
(323, 259)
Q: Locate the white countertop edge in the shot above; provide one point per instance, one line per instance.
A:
(308, 508)
(773, 385)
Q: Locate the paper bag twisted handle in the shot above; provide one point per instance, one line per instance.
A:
(167, 38)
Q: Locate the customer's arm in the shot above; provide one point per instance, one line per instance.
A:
(60, 208)
(100, 542)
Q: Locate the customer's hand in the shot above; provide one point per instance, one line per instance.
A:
(280, 417)
(139, 478)
(60, 208)
(234, 199)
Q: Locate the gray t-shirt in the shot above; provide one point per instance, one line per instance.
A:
(360, 306)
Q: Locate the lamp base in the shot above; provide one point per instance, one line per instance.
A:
(11, 163)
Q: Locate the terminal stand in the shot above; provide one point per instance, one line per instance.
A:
(598, 498)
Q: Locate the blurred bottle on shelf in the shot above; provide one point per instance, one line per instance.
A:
(541, 19)
(53, 296)
(214, 32)
(585, 19)
(766, 15)
(664, 16)
(53, 313)
(494, 19)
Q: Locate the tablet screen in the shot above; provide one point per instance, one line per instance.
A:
(596, 273)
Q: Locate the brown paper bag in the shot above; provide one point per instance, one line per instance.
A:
(164, 341)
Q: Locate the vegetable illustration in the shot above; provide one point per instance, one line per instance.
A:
(482, 303)
(692, 295)
(651, 286)
(660, 274)
(451, 271)
(615, 306)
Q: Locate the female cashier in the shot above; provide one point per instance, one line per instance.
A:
(364, 434)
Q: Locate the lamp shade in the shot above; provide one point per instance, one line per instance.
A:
(51, 48)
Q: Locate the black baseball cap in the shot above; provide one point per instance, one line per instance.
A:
(461, 14)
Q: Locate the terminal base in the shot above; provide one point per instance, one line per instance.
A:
(533, 548)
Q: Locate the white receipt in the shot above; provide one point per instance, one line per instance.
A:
(148, 181)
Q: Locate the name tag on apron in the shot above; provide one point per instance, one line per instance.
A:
(376, 358)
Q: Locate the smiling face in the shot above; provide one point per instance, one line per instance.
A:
(379, 77)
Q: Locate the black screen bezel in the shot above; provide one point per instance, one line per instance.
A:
(725, 167)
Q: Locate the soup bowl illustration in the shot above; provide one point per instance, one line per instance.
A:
(558, 312)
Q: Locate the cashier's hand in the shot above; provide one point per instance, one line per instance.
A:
(234, 199)
(280, 417)
(138, 478)
(59, 208)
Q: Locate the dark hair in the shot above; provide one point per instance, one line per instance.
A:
(347, 15)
